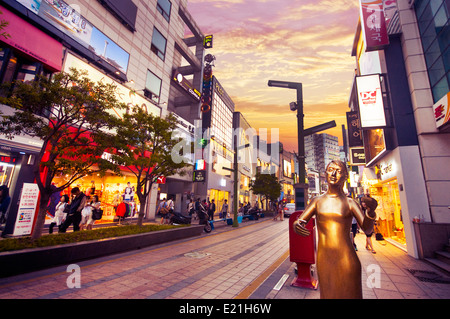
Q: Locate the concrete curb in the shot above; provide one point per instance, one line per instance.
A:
(28, 260)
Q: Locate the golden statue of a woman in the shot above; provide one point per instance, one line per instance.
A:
(338, 266)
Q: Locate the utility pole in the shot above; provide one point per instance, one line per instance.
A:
(301, 188)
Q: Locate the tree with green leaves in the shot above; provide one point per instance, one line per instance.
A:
(4, 24)
(73, 117)
(266, 185)
(146, 146)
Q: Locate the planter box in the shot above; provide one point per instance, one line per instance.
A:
(27, 260)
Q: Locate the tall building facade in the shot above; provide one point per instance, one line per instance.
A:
(140, 47)
(399, 96)
(215, 161)
(321, 149)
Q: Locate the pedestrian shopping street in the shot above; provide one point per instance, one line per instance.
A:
(249, 262)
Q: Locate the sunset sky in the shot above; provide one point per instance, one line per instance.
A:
(307, 41)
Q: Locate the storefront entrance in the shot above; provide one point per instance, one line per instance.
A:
(219, 198)
(389, 210)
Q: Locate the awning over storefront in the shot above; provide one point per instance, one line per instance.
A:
(32, 41)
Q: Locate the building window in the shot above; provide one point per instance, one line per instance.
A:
(158, 44)
(16, 67)
(434, 25)
(164, 6)
(152, 87)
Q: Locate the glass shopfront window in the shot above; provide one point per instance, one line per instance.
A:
(389, 210)
(111, 190)
(7, 165)
(219, 198)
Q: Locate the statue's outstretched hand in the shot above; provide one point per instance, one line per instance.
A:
(300, 229)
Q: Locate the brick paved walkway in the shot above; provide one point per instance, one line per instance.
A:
(219, 265)
(246, 262)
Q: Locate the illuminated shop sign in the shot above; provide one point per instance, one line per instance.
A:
(8, 159)
(354, 130)
(186, 85)
(442, 111)
(373, 24)
(357, 156)
(370, 98)
(32, 41)
(200, 165)
(199, 176)
(69, 21)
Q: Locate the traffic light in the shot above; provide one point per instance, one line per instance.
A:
(203, 142)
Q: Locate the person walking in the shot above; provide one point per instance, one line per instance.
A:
(191, 207)
(74, 215)
(369, 204)
(60, 215)
(93, 205)
(162, 210)
(280, 210)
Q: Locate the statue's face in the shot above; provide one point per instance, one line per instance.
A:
(335, 174)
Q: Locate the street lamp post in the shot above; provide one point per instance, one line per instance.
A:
(301, 187)
(235, 171)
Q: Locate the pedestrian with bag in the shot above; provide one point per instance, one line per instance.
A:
(162, 210)
(369, 205)
(60, 215)
(74, 214)
(94, 208)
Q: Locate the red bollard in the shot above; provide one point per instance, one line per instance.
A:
(302, 252)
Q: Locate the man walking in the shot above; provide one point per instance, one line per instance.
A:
(74, 215)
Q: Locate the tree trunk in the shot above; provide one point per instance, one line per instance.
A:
(142, 200)
(40, 220)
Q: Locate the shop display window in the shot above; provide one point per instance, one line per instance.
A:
(111, 190)
(219, 197)
(6, 173)
(389, 210)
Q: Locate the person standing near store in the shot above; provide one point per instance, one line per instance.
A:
(60, 215)
(74, 215)
(211, 210)
(224, 209)
(4, 202)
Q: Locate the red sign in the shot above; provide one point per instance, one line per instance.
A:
(32, 41)
(373, 24)
(8, 159)
(161, 180)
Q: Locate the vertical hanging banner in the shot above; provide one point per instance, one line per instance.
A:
(373, 24)
(354, 130)
(27, 209)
